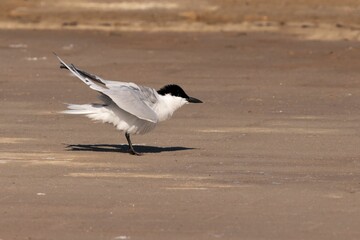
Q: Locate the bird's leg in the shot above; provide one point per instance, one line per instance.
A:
(131, 149)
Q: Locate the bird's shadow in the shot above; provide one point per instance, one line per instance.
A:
(123, 148)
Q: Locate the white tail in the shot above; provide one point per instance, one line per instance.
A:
(80, 109)
(97, 112)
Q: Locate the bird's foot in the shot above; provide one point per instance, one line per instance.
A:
(133, 152)
(131, 149)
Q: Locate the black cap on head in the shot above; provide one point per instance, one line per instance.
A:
(177, 91)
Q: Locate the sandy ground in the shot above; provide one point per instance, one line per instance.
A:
(271, 154)
(306, 19)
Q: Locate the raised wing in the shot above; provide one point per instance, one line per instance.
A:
(130, 97)
(133, 101)
(84, 78)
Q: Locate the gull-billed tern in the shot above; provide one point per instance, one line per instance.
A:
(131, 108)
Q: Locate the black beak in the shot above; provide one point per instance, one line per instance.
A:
(193, 100)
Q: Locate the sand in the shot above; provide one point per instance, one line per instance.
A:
(272, 153)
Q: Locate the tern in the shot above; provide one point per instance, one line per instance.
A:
(131, 108)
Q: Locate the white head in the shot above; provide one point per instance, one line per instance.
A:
(172, 98)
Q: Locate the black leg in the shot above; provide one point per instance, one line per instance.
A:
(131, 149)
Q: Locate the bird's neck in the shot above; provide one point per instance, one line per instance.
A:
(167, 105)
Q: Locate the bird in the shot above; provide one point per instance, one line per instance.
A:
(131, 108)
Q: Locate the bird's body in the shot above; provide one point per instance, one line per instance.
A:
(131, 108)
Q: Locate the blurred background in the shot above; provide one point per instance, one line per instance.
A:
(315, 19)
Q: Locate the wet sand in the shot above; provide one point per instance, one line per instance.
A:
(271, 154)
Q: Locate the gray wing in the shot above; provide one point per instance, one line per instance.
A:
(133, 100)
(85, 78)
(130, 97)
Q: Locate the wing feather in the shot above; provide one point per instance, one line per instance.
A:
(85, 79)
(130, 97)
(131, 100)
